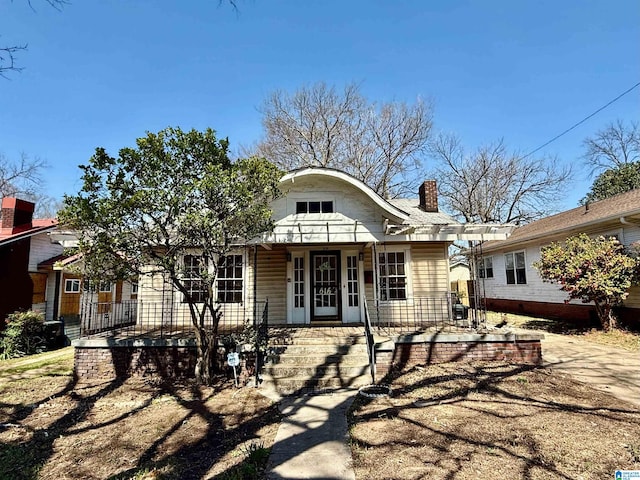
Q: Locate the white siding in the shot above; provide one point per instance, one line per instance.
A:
(42, 249)
(535, 289)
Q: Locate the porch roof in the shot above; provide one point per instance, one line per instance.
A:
(352, 231)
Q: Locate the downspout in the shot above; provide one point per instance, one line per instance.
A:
(56, 295)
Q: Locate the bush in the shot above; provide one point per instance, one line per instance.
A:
(22, 335)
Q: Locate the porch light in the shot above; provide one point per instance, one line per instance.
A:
(361, 256)
(288, 256)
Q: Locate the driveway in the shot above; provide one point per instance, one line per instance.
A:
(607, 368)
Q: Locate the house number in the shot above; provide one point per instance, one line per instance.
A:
(326, 290)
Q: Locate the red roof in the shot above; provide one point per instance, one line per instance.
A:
(8, 235)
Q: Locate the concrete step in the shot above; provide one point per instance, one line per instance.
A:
(326, 359)
(317, 371)
(318, 349)
(317, 340)
(293, 385)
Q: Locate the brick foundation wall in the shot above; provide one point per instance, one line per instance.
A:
(570, 311)
(111, 362)
(124, 362)
(407, 355)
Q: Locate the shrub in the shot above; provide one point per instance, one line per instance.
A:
(22, 335)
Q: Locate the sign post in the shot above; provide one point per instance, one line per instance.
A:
(233, 359)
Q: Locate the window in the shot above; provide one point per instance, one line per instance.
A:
(298, 282)
(393, 278)
(515, 267)
(194, 267)
(485, 267)
(314, 207)
(105, 287)
(72, 285)
(230, 279)
(134, 289)
(352, 280)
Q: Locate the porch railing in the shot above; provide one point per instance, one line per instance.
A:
(136, 318)
(417, 314)
(368, 330)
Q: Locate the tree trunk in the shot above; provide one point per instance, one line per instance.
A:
(606, 316)
(205, 356)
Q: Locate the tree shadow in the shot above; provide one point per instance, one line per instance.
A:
(475, 389)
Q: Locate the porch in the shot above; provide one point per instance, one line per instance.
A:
(159, 321)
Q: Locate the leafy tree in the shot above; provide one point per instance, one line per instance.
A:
(380, 144)
(492, 185)
(615, 180)
(597, 270)
(177, 192)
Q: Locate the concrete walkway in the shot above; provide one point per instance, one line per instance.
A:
(312, 439)
(606, 368)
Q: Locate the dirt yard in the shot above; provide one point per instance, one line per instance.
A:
(482, 421)
(54, 428)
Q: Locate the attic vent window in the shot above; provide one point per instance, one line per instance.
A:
(314, 207)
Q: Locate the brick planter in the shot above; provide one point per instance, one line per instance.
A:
(407, 351)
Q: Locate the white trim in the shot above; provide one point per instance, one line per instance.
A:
(408, 272)
(72, 281)
(377, 199)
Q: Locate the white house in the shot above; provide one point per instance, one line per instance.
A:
(510, 282)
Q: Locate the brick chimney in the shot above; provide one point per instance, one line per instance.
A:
(428, 194)
(16, 215)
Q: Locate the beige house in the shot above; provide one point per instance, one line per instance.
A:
(338, 252)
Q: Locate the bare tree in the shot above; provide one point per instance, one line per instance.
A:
(613, 147)
(492, 185)
(8, 55)
(380, 144)
(21, 178)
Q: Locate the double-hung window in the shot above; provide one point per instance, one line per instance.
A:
(195, 267)
(230, 279)
(485, 267)
(515, 267)
(393, 277)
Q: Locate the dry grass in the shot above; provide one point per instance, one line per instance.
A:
(623, 338)
(53, 428)
(460, 422)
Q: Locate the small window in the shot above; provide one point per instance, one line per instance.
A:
(515, 268)
(72, 285)
(314, 207)
(106, 287)
(485, 267)
(134, 289)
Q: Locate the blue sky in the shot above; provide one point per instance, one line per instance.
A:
(102, 73)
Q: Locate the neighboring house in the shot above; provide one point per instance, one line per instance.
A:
(460, 275)
(511, 284)
(336, 246)
(24, 245)
(73, 294)
(36, 274)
